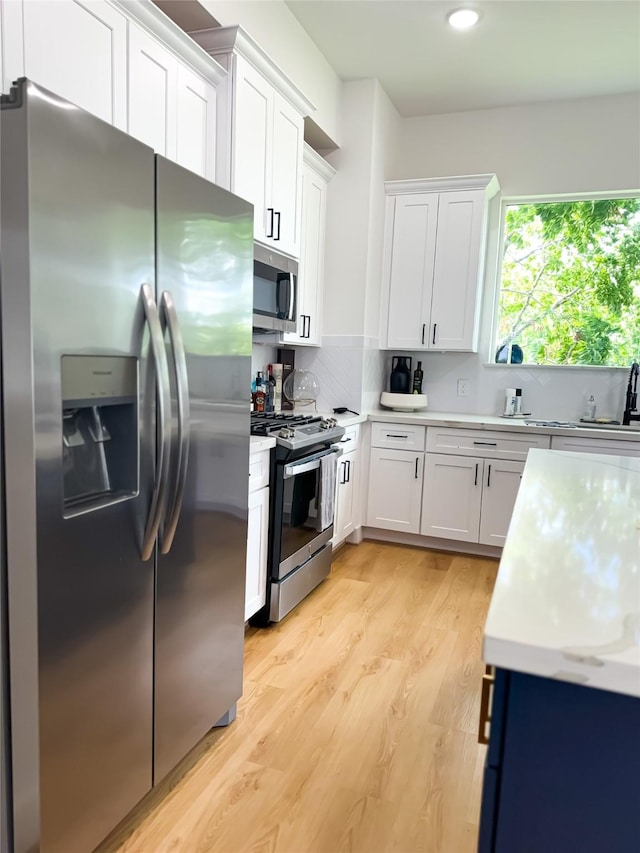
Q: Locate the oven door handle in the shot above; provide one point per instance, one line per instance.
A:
(305, 465)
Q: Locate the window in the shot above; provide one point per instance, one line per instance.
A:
(570, 284)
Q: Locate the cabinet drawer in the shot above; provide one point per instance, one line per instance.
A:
(608, 446)
(350, 439)
(259, 470)
(491, 445)
(398, 436)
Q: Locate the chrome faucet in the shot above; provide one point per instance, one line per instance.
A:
(631, 403)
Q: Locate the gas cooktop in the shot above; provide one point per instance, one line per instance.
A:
(294, 431)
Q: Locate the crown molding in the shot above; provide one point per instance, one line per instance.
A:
(155, 21)
(221, 41)
(488, 183)
(317, 162)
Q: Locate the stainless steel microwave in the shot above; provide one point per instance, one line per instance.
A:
(275, 282)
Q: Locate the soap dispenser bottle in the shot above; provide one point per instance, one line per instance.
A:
(590, 409)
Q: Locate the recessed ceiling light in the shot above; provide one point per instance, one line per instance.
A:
(463, 19)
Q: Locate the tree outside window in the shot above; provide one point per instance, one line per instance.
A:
(570, 288)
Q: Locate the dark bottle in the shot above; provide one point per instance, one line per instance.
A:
(259, 397)
(400, 379)
(418, 374)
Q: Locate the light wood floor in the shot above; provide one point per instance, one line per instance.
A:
(357, 728)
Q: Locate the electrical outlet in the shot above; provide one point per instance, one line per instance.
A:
(463, 387)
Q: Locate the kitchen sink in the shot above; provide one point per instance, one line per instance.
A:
(620, 427)
(579, 425)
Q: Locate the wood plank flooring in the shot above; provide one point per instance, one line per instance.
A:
(357, 728)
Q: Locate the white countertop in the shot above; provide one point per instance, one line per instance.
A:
(260, 442)
(566, 603)
(493, 422)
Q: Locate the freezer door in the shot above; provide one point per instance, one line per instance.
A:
(77, 244)
(205, 264)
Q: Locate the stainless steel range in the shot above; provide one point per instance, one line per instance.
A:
(301, 509)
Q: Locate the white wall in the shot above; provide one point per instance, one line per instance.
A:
(587, 145)
(279, 33)
(591, 144)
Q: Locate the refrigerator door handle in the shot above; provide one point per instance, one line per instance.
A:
(168, 309)
(152, 317)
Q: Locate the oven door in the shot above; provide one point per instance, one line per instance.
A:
(308, 496)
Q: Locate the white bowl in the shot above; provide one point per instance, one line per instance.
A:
(403, 402)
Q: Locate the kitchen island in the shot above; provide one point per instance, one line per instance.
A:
(563, 632)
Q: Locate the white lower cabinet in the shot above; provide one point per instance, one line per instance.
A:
(499, 492)
(395, 489)
(346, 491)
(452, 497)
(257, 539)
(468, 498)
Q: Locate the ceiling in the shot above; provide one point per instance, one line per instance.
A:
(522, 51)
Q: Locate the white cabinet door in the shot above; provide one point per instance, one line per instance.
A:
(153, 87)
(257, 538)
(78, 50)
(452, 497)
(395, 486)
(499, 492)
(344, 523)
(456, 274)
(410, 243)
(286, 175)
(253, 136)
(196, 122)
(311, 271)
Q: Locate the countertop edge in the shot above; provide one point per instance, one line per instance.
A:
(493, 422)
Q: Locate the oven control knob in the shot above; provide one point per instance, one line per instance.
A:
(324, 424)
(286, 432)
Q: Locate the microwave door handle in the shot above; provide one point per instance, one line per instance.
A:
(168, 308)
(292, 297)
(281, 311)
(163, 421)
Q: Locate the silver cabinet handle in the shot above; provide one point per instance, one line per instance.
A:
(168, 309)
(163, 421)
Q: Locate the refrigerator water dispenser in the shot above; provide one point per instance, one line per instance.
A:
(99, 431)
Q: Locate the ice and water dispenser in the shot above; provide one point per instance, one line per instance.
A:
(99, 431)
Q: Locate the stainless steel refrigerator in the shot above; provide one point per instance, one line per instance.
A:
(126, 302)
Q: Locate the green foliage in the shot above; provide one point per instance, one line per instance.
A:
(571, 282)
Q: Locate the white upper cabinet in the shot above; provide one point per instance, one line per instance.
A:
(153, 91)
(253, 137)
(125, 62)
(286, 175)
(264, 114)
(316, 173)
(196, 120)
(434, 248)
(75, 48)
(411, 232)
(171, 108)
